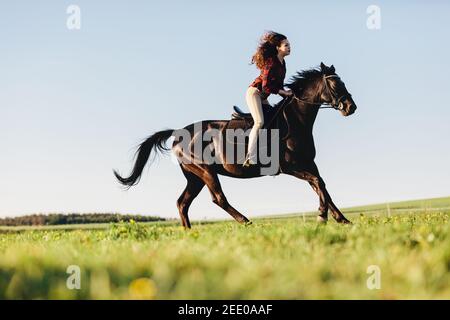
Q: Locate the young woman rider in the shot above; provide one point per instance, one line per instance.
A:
(269, 58)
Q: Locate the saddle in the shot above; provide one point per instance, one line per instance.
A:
(240, 119)
(239, 114)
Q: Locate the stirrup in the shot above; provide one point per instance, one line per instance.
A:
(247, 163)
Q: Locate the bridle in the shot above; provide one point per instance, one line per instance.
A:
(335, 103)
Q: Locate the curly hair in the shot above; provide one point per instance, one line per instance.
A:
(267, 48)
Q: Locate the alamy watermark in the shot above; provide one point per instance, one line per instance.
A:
(373, 21)
(214, 146)
(74, 279)
(374, 280)
(73, 21)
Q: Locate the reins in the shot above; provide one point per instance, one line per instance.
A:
(278, 111)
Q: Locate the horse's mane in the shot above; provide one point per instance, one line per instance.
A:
(299, 81)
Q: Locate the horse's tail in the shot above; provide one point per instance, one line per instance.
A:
(155, 141)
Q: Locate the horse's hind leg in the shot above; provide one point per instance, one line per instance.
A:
(209, 177)
(193, 188)
(218, 197)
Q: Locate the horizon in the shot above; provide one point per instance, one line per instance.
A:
(230, 218)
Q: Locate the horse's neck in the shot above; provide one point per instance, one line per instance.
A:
(303, 117)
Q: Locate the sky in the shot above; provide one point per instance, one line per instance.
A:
(74, 103)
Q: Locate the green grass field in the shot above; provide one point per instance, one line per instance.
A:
(288, 257)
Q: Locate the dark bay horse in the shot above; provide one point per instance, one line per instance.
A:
(295, 119)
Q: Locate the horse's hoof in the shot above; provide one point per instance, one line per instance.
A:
(321, 219)
(344, 221)
(247, 223)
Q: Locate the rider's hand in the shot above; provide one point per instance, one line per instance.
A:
(285, 93)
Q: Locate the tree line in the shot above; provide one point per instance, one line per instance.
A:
(73, 218)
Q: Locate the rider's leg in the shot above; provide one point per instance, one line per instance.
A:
(254, 104)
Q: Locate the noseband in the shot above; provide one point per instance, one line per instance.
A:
(336, 103)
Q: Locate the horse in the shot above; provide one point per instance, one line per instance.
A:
(312, 90)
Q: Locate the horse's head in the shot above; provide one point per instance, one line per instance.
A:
(334, 91)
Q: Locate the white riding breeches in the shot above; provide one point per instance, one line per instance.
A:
(254, 102)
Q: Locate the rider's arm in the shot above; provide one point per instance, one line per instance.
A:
(284, 93)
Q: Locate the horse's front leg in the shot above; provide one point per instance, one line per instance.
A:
(318, 186)
(337, 214)
(323, 207)
(315, 180)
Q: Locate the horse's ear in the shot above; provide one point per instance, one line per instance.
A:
(332, 69)
(323, 67)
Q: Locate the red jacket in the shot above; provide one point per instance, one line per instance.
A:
(271, 79)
